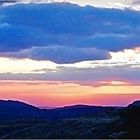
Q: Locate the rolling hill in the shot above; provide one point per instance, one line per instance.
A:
(23, 121)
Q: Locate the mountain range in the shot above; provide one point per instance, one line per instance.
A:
(19, 121)
(11, 110)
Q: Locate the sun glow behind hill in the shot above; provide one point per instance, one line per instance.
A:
(60, 94)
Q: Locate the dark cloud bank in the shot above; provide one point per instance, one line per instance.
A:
(66, 33)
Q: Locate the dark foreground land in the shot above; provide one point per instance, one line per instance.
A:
(20, 121)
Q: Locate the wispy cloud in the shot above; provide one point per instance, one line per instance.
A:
(124, 67)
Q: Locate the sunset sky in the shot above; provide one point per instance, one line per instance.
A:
(57, 54)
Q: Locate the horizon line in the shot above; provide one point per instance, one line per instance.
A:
(69, 105)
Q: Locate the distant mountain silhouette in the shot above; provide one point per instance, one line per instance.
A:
(17, 110)
(135, 104)
(22, 121)
(83, 110)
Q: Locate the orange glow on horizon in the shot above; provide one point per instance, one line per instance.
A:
(61, 94)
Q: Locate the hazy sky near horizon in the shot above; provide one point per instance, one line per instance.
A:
(62, 54)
